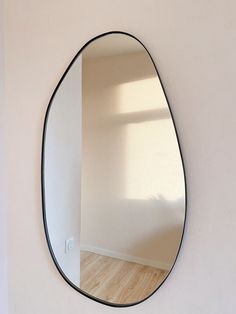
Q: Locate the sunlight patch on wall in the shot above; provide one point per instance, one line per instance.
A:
(153, 167)
(139, 95)
(152, 161)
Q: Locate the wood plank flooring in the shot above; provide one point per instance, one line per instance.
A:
(117, 281)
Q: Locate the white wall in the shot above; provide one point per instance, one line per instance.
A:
(193, 45)
(62, 172)
(132, 176)
(3, 209)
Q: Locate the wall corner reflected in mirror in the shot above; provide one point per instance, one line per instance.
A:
(113, 181)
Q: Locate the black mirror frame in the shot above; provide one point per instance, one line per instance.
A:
(43, 187)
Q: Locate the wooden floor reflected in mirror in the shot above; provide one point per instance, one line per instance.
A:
(117, 281)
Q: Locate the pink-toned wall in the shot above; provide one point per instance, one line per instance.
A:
(3, 209)
(193, 45)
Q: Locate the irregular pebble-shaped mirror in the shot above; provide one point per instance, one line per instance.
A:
(113, 183)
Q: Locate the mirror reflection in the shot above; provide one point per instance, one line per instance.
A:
(113, 181)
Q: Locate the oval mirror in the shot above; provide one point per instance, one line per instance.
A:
(113, 183)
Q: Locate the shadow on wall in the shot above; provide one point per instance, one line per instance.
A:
(147, 229)
(162, 225)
